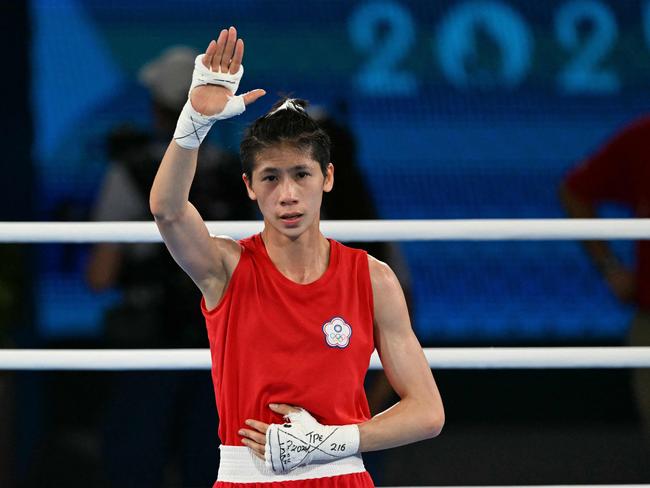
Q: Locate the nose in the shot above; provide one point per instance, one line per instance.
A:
(288, 192)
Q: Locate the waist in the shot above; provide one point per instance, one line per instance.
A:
(240, 465)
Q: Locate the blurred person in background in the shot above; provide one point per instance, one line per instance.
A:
(619, 172)
(154, 418)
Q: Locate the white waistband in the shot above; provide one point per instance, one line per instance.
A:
(240, 465)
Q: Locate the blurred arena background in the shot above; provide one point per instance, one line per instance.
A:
(459, 108)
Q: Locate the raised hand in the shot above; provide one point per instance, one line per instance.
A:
(223, 55)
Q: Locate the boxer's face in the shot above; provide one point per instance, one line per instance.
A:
(288, 186)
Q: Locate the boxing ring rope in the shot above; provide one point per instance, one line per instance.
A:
(385, 230)
(345, 230)
(438, 358)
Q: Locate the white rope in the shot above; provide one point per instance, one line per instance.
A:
(346, 230)
(438, 358)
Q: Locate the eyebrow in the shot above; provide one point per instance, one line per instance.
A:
(273, 169)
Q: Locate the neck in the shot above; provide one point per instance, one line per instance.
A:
(302, 259)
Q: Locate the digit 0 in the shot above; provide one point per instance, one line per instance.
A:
(458, 47)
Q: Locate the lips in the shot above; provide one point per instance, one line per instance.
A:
(291, 218)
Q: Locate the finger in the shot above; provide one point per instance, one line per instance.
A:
(283, 408)
(253, 435)
(209, 53)
(257, 425)
(229, 49)
(237, 57)
(218, 52)
(251, 96)
(256, 448)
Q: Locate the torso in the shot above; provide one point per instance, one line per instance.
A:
(274, 340)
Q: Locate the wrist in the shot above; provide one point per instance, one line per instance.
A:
(192, 127)
(345, 441)
(304, 441)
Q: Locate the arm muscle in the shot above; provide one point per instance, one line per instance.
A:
(207, 260)
(419, 414)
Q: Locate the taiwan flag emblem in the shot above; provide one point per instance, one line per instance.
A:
(337, 333)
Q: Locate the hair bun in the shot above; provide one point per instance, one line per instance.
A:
(296, 104)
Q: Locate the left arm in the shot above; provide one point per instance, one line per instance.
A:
(419, 414)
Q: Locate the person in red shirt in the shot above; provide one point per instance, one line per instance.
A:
(619, 172)
(292, 316)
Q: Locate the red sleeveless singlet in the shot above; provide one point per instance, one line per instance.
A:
(275, 341)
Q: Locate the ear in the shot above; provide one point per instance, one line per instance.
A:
(249, 187)
(329, 178)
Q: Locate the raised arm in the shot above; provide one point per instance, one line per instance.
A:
(207, 260)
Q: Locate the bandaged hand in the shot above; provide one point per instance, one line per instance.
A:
(302, 441)
(212, 95)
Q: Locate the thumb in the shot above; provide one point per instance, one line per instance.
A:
(251, 96)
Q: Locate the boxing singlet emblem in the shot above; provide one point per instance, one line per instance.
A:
(337, 333)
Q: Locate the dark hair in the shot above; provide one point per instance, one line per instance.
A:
(286, 123)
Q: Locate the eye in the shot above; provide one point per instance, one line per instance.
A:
(303, 174)
(269, 178)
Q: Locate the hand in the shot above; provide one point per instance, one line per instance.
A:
(255, 438)
(224, 55)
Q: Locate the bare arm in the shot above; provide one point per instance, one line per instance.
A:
(419, 414)
(201, 256)
(621, 281)
(207, 260)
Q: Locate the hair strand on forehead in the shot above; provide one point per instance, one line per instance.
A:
(287, 123)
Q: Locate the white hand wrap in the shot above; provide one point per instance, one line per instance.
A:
(205, 76)
(304, 441)
(192, 127)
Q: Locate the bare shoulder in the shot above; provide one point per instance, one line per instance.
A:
(386, 289)
(382, 276)
(391, 312)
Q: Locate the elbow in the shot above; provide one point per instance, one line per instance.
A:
(430, 412)
(434, 423)
(162, 211)
(434, 419)
(439, 423)
(157, 207)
